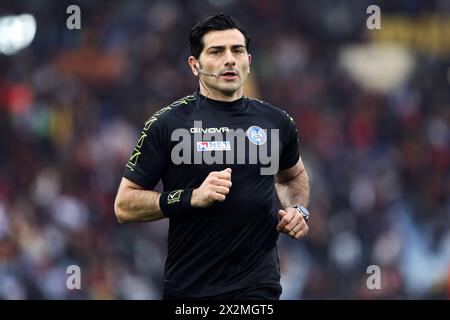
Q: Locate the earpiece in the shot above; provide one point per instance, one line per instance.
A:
(197, 67)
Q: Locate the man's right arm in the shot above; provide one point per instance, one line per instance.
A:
(134, 204)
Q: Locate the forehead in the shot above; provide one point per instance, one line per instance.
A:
(223, 38)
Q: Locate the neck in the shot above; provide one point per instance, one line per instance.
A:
(219, 95)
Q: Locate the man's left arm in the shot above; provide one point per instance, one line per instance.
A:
(292, 186)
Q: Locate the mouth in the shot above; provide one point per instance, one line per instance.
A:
(229, 75)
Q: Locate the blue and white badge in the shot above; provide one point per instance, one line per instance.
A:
(256, 135)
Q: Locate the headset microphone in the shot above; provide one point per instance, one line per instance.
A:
(208, 74)
(204, 73)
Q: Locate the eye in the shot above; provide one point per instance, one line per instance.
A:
(214, 52)
(239, 50)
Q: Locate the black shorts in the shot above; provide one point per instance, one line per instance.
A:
(261, 292)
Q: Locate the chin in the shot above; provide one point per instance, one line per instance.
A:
(229, 90)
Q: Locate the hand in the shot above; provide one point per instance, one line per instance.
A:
(292, 223)
(214, 188)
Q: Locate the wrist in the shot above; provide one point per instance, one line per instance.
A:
(193, 200)
(175, 203)
(303, 211)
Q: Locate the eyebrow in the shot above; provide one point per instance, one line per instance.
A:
(235, 46)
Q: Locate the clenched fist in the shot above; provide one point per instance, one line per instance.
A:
(292, 223)
(214, 188)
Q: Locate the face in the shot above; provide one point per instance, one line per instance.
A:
(224, 55)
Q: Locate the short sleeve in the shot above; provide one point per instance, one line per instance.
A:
(149, 158)
(290, 152)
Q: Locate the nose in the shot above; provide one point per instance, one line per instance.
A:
(229, 59)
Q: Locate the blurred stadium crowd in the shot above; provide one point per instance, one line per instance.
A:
(72, 105)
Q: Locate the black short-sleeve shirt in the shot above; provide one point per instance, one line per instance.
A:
(231, 244)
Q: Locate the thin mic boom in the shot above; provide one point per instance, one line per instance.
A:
(207, 74)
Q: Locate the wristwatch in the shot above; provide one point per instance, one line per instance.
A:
(304, 212)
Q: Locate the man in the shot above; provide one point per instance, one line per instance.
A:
(225, 212)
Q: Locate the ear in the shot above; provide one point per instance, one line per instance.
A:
(249, 61)
(193, 64)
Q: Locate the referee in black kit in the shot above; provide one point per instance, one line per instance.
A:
(232, 175)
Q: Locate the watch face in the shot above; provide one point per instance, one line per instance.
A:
(304, 212)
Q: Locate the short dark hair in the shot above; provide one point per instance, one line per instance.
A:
(218, 22)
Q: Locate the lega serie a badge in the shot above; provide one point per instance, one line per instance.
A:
(256, 135)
